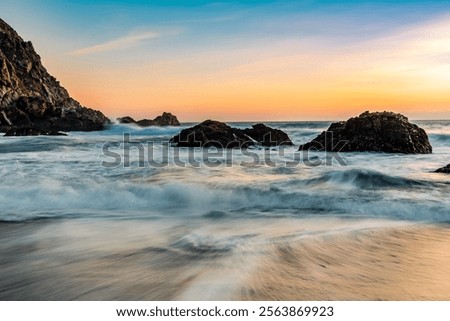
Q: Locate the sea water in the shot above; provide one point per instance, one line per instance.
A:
(76, 223)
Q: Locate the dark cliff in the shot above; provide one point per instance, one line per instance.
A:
(31, 98)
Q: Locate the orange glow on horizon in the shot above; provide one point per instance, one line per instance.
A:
(260, 101)
(400, 73)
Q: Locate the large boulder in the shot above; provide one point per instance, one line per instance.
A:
(378, 132)
(220, 135)
(212, 133)
(267, 136)
(445, 169)
(166, 119)
(31, 98)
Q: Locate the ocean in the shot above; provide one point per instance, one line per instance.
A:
(81, 221)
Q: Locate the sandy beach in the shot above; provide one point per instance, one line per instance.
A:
(408, 263)
(81, 261)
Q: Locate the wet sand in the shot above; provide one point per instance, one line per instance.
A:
(130, 261)
(410, 263)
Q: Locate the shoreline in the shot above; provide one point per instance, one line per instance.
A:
(407, 263)
(72, 260)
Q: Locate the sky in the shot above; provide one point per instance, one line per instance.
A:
(244, 60)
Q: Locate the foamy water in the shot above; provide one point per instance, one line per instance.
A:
(74, 229)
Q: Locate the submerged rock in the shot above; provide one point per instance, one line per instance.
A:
(445, 169)
(166, 119)
(126, 120)
(379, 132)
(31, 97)
(29, 131)
(146, 123)
(220, 135)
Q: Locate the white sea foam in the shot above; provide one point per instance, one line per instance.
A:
(58, 176)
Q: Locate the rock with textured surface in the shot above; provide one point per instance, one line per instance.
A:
(212, 133)
(267, 136)
(220, 135)
(166, 119)
(31, 98)
(378, 132)
(445, 169)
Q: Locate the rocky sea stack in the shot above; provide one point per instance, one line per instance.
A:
(33, 101)
(373, 132)
(166, 119)
(212, 133)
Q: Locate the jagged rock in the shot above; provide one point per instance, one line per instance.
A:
(379, 132)
(220, 135)
(166, 119)
(445, 169)
(267, 136)
(30, 97)
(28, 131)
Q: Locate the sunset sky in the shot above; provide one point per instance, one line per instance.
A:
(244, 60)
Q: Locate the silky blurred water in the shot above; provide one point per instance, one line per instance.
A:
(71, 228)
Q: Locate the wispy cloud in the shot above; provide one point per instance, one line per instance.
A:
(118, 43)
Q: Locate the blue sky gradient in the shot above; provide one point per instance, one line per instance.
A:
(94, 46)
